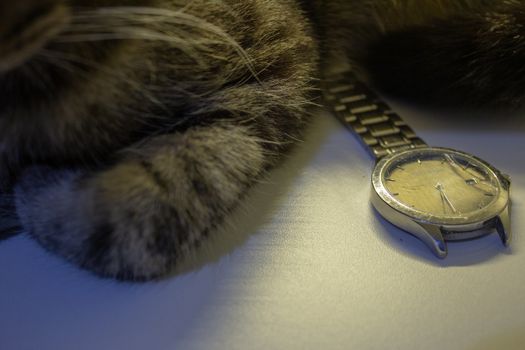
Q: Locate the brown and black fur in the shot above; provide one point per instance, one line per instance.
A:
(130, 129)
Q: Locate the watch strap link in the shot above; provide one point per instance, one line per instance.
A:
(381, 130)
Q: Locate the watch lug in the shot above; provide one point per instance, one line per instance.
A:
(503, 226)
(432, 236)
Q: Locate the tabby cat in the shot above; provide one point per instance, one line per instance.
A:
(129, 129)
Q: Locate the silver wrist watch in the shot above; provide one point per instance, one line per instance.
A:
(436, 194)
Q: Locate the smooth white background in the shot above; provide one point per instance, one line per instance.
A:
(305, 264)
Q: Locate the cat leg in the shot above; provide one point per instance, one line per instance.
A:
(140, 217)
(145, 214)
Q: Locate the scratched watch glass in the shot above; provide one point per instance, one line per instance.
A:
(446, 185)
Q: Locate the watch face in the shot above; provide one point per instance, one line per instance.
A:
(440, 186)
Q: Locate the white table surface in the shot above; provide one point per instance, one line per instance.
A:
(306, 264)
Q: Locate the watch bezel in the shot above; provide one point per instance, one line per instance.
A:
(465, 223)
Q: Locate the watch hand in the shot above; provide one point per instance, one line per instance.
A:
(445, 198)
(462, 170)
(474, 183)
(471, 179)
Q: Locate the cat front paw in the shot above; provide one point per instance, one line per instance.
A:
(114, 223)
(139, 218)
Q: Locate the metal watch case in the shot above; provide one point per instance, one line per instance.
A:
(434, 228)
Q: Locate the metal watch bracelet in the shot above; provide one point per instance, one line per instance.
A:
(362, 111)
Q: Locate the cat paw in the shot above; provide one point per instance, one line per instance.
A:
(115, 224)
(138, 219)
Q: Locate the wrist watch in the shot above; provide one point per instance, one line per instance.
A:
(436, 194)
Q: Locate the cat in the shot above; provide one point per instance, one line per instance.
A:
(129, 129)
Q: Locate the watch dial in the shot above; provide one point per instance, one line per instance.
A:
(441, 183)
